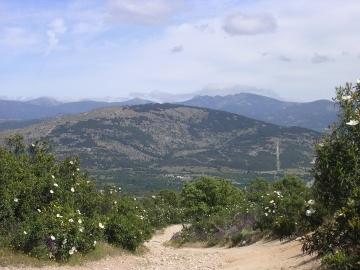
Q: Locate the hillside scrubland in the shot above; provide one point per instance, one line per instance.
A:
(52, 210)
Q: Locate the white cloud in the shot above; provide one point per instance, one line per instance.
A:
(141, 11)
(56, 29)
(246, 24)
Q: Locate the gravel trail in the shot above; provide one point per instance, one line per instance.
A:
(264, 255)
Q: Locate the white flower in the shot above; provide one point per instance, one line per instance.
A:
(134, 199)
(346, 98)
(95, 243)
(101, 226)
(16, 200)
(64, 241)
(59, 216)
(311, 202)
(115, 202)
(71, 162)
(81, 229)
(266, 214)
(352, 123)
(72, 189)
(154, 197)
(52, 237)
(51, 191)
(77, 169)
(39, 210)
(78, 211)
(53, 176)
(32, 145)
(309, 212)
(72, 250)
(56, 185)
(71, 220)
(25, 232)
(87, 182)
(272, 201)
(79, 221)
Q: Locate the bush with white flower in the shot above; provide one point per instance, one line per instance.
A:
(281, 208)
(52, 210)
(337, 187)
(163, 209)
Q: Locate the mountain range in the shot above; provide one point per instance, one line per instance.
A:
(41, 108)
(316, 115)
(164, 140)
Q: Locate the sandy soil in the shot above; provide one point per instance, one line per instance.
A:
(260, 256)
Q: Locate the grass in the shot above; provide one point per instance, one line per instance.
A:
(12, 258)
(101, 251)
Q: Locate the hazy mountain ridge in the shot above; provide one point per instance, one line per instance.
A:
(167, 138)
(316, 115)
(42, 108)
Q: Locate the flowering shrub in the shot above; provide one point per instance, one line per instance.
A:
(284, 209)
(52, 209)
(337, 185)
(127, 225)
(220, 212)
(163, 209)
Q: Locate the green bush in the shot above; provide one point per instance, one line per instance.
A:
(52, 209)
(337, 187)
(281, 208)
(163, 209)
(127, 226)
(340, 261)
(220, 212)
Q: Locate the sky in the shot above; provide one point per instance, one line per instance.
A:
(170, 49)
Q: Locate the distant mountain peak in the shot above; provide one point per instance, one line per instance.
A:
(316, 115)
(44, 101)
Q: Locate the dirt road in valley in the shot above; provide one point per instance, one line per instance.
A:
(260, 256)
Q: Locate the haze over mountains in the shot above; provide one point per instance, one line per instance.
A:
(317, 115)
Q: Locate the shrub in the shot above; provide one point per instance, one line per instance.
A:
(163, 209)
(281, 208)
(52, 209)
(337, 185)
(127, 226)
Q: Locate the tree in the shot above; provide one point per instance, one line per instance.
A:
(337, 185)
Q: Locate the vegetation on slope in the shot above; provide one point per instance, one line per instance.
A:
(52, 209)
(316, 115)
(158, 142)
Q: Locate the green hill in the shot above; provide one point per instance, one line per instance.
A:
(150, 142)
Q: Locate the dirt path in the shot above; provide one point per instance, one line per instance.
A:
(260, 256)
